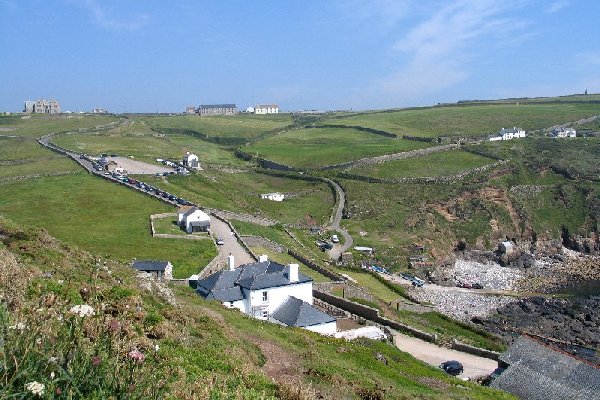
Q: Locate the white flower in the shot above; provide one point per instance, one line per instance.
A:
(20, 326)
(82, 310)
(61, 281)
(52, 375)
(53, 360)
(156, 348)
(36, 388)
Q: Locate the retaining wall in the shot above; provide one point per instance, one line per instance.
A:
(372, 314)
(465, 348)
(315, 267)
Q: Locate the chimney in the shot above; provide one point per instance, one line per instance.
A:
(263, 258)
(293, 276)
(230, 262)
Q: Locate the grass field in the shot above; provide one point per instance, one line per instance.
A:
(241, 192)
(21, 148)
(101, 217)
(432, 165)
(317, 147)
(139, 140)
(43, 166)
(243, 126)
(39, 125)
(478, 120)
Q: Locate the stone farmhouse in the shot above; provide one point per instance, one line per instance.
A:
(268, 291)
(162, 269)
(508, 134)
(217, 109)
(192, 219)
(563, 132)
(42, 106)
(266, 109)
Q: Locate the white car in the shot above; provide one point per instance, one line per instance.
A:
(335, 239)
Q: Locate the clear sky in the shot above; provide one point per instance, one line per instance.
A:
(156, 55)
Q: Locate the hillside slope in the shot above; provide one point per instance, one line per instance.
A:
(78, 326)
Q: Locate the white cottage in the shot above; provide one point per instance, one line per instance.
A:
(192, 219)
(508, 134)
(273, 196)
(269, 291)
(191, 161)
(266, 109)
(563, 132)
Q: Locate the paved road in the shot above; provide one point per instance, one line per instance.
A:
(338, 248)
(221, 230)
(432, 354)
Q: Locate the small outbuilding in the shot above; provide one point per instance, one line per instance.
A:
(163, 270)
(191, 161)
(192, 219)
(273, 196)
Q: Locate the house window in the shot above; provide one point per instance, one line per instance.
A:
(231, 304)
(265, 296)
(265, 314)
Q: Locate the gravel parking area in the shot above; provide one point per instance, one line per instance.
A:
(139, 167)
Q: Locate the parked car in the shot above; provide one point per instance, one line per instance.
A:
(406, 276)
(220, 241)
(324, 245)
(335, 239)
(477, 286)
(416, 282)
(452, 367)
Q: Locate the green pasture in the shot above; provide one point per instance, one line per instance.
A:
(39, 125)
(139, 140)
(101, 217)
(12, 149)
(318, 147)
(476, 120)
(43, 166)
(241, 191)
(242, 125)
(433, 165)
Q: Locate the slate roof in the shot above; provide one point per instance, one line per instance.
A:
(227, 285)
(537, 372)
(150, 265)
(511, 130)
(296, 312)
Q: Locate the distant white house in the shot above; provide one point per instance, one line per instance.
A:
(192, 219)
(250, 110)
(563, 132)
(269, 291)
(191, 161)
(273, 196)
(162, 269)
(266, 109)
(508, 134)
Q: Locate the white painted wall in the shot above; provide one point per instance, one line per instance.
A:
(276, 296)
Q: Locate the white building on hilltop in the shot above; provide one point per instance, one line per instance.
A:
(269, 291)
(508, 134)
(266, 109)
(191, 161)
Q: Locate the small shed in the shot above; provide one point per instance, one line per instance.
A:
(273, 196)
(161, 269)
(195, 220)
(191, 161)
(506, 247)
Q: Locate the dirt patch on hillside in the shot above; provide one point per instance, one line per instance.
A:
(280, 365)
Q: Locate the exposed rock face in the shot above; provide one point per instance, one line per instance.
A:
(574, 321)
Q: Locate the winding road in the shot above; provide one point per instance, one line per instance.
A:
(335, 220)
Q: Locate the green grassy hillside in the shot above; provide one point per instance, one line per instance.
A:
(134, 344)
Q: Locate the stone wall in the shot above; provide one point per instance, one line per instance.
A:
(259, 241)
(315, 267)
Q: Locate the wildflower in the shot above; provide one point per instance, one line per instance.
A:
(82, 310)
(114, 326)
(61, 281)
(137, 356)
(52, 375)
(36, 388)
(96, 360)
(156, 348)
(53, 360)
(58, 391)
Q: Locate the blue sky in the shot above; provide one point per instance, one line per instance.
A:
(151, 55)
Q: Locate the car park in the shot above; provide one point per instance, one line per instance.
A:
(452, 367)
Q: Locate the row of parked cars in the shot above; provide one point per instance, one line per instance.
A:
(416, 282)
